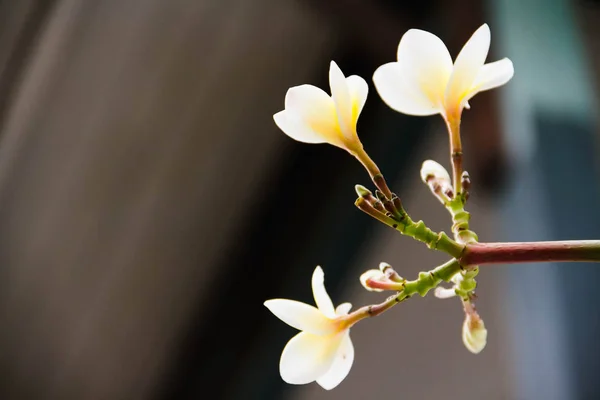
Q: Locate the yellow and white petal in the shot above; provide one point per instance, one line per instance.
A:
(493, 74)
(426, 63)
(343, 309)
(466, 68)
(340, 94)
(400, 94)
(320, 294)
(296, 128)
(301, 316)
(306, 357)
(309, 116)
(341, 365)
(359, 90)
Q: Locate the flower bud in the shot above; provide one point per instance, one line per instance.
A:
(383, 266)
(433, 170)
(390, 274)
(373, 274)
(362, 191)
(474, 334)
(444, 293)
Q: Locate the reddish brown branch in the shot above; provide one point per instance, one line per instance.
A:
(525, 252)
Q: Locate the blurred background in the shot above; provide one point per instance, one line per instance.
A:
(149, 205)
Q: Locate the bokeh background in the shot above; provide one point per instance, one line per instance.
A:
(149, 205)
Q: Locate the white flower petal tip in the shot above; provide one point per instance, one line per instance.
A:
(372, 274)
(424, 81)
(323, 351)
(343, 309)
(322, 299)
(474, 335)
(431, 169)
(313, 116)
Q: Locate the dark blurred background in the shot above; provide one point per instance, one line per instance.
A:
(149, 205)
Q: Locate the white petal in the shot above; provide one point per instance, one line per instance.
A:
(306, 357)
(343, 309)
(301, 316)
(400, 94)
(358, 89)
(466, 68)
(340, 94)
(494, 74)
(296, 128)
(341, 365)
(310, 107)
(321, 297)
(426, 64)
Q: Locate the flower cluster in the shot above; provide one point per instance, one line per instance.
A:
(423, 81)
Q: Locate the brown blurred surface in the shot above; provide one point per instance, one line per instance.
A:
(126, 163)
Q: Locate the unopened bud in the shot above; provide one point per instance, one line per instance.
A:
(433, 170)
(465, 180)
(372, 274)
(444, 293)
(362, 191)
(390, 274)
(384, 266)
(474, 334)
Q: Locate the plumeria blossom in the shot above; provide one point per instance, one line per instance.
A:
(313, 116)
(323, 351)
(424, 81)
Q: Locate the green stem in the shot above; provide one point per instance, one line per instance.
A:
(425, 282)
(460, 221)
(417, 230)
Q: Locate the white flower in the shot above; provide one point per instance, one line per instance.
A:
(323, 351)
(312, 116)
(474, 334)
(424, 81)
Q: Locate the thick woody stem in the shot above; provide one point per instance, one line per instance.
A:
(526, 252)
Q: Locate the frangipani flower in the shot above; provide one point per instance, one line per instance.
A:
(424, 81)
(312, 116)
(323, 351)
